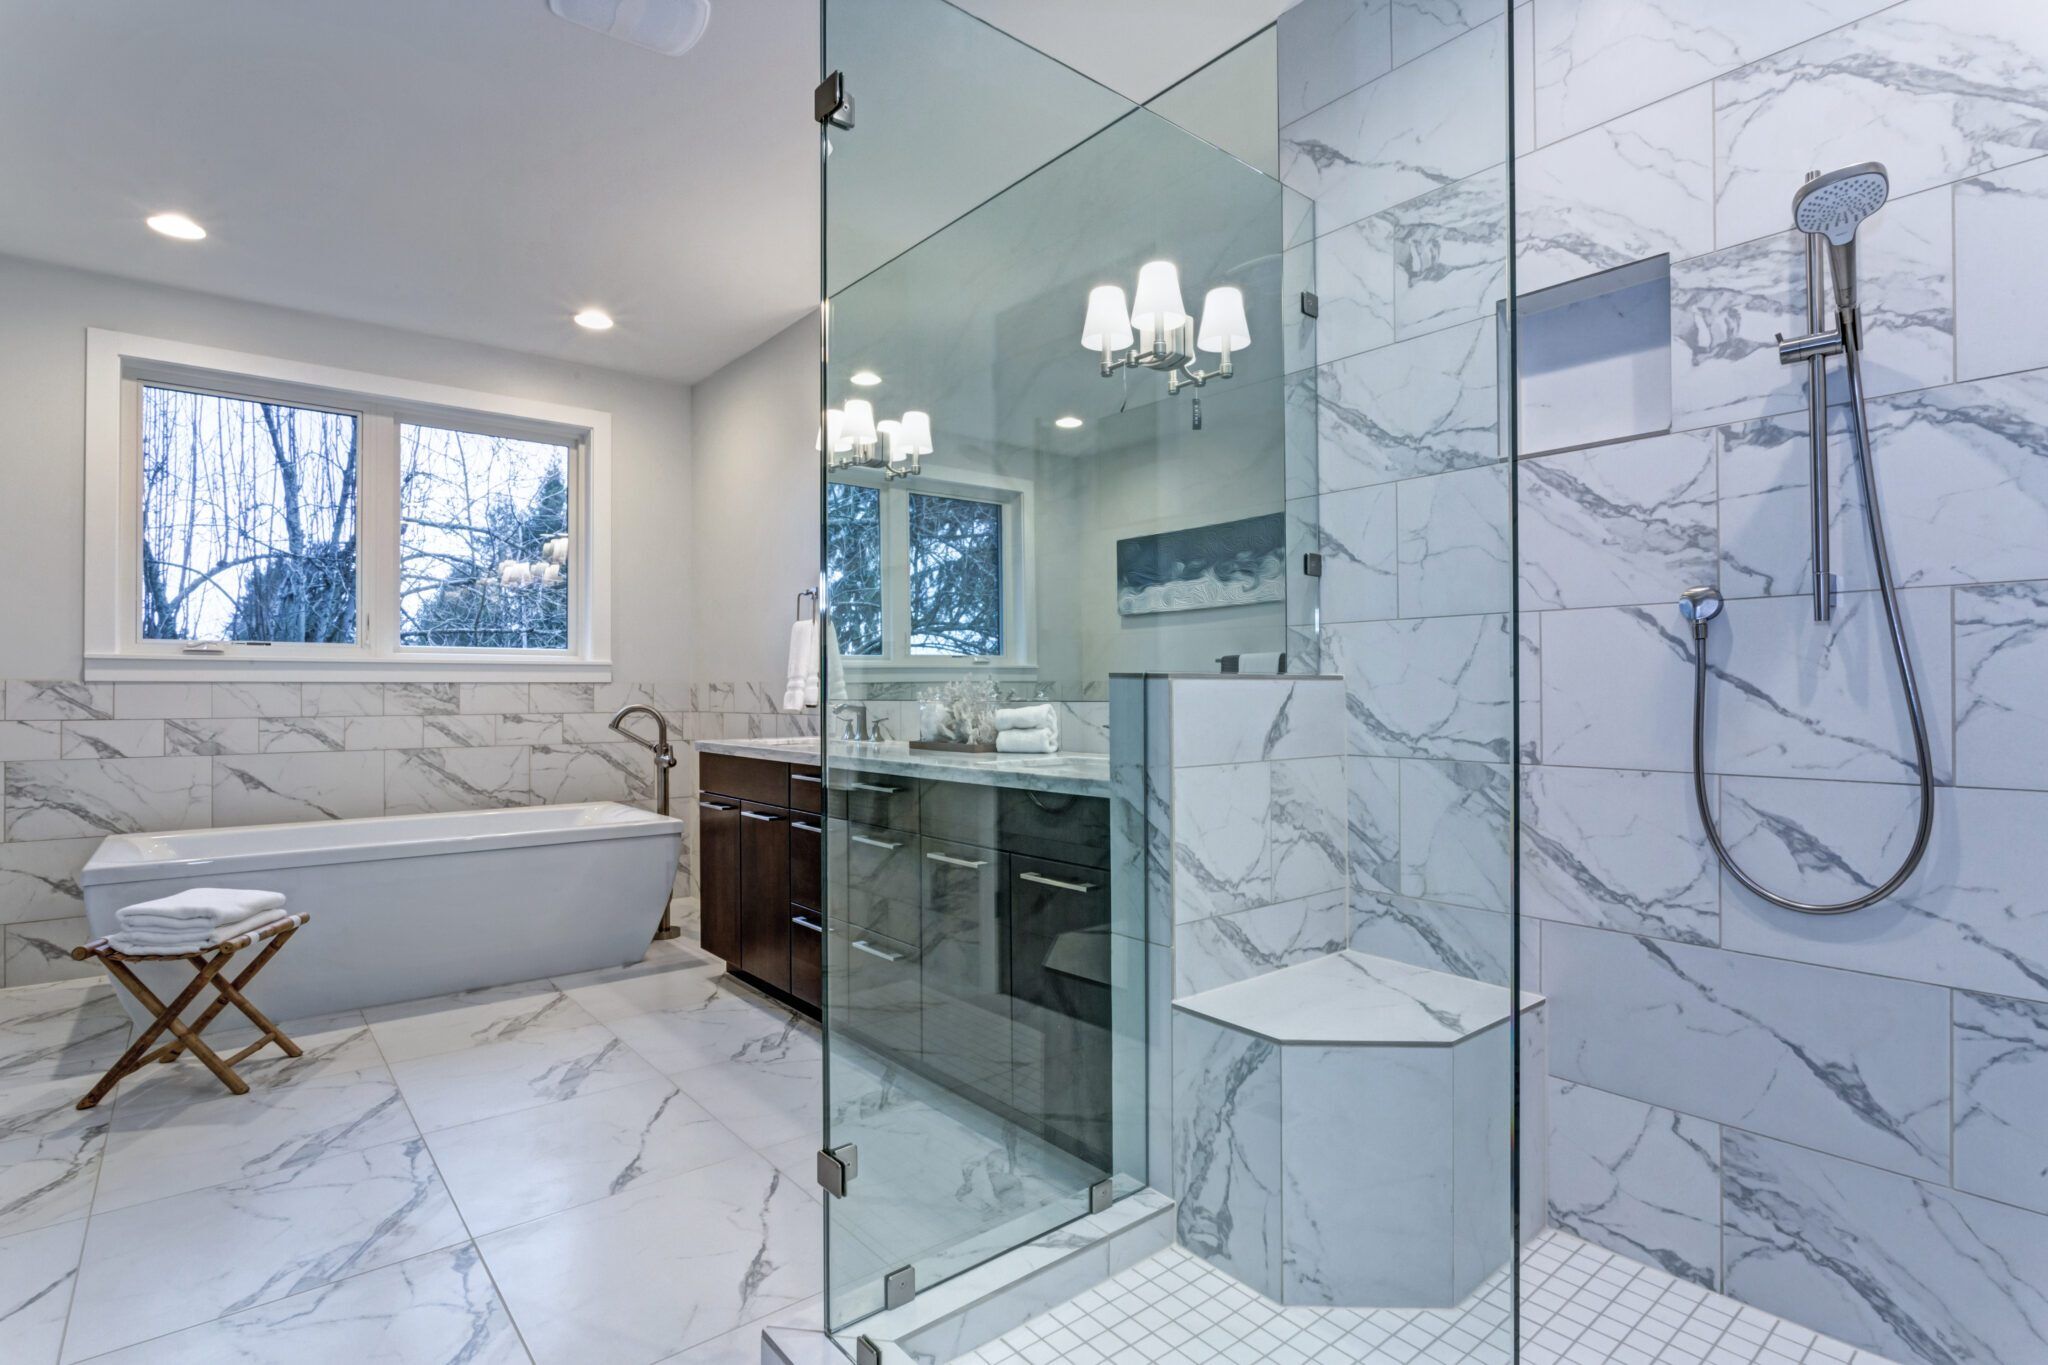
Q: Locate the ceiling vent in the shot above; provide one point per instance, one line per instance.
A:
(671, 27)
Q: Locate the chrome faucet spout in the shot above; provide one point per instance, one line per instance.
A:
(664, 753)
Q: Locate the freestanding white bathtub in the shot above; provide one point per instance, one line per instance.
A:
(414, 905)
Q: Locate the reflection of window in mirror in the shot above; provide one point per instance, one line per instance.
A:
(929, 572)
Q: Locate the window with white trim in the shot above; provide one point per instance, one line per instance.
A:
(927, 573)
(257, 518)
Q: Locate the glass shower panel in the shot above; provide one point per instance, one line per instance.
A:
(985, 966)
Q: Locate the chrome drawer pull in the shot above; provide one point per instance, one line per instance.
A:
(713, 805)
(806, 922)
(871, 787)
(874, 843)
(951, 861)
(1043, 880)
(872, 951)
(805, 777)
(806, 828)
(757, 815)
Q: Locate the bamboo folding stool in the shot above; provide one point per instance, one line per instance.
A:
(209, 966)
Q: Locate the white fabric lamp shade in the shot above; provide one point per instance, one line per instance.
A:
(917, 433)
(834, 433)
(1157, 306)
(860, 421)
(1108, 327)
(1223, 326)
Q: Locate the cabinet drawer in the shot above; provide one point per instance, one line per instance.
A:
(1063, 996)
(806, 955)
(1058, 826)
(872, 799)
(874, 870)
(966, 968)
(750, 779)
(806, 840)
(806, 789)
(875, 990)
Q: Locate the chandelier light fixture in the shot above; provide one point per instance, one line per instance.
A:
(1156, 332)
(857, 441)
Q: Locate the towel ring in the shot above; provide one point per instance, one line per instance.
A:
(811, 593)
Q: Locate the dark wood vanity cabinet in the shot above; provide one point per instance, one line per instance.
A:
(760, 879)
(718, 866)
(764, 894)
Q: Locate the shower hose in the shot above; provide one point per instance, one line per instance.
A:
(1888, 591)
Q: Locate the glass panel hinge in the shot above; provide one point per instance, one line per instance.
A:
(831, 104)
(837, 1166)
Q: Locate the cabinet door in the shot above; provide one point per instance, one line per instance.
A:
(966, 1007)
(764, 894)
(1062, 997)
(807, 956)
(806, 866)
(718, 889)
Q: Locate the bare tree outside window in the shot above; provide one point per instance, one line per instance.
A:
(956, 576)
(483, 542)
(853, 567)
(248, 520)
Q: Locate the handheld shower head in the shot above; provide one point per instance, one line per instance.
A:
(1834, 206)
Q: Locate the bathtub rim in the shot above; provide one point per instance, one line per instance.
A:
(123, 859)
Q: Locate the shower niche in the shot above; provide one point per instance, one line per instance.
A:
(1595, 358)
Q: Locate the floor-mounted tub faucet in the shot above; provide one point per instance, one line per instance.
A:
(664, 761)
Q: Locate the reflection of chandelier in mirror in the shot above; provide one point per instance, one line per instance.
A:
(1157, 329)
(858, 441)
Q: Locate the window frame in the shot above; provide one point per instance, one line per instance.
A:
(896, 662)
(118, 365)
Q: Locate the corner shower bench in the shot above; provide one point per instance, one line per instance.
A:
(1341, 1130)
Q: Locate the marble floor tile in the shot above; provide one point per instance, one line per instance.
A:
(680, 984)
(677, 1262)
(743, 1347)
(492, 1014)
(523, 1165)
(190, 1258)
(37, 1273)
(764, 1103)
(685, 1040)
(437, 1309)
(330, 1045)
(156, 1150)
(529, 1068)
(49, 1154)
(63, 1030)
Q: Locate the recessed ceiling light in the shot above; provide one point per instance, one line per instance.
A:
(867, 379)
(1067, 423)
(594, 320)
(175, 225)
(670, 27)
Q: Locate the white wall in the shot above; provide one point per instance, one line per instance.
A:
(42, 433)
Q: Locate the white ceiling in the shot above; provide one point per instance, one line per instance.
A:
(476, 169)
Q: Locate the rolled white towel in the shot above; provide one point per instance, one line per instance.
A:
(1039, 717)
(190, 940)
(1273, 662)
(200, 907)
(1027, 742)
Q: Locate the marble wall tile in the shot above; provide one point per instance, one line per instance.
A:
(1456, 824)
(1213, 952)
(382, 732)
(555, 696)
(162, 701)
(1432, 121)
(439, 731)
(1329, 48)
(1617, 525)
(258, 699)
(1962, 920)
(1766, 546)
(417, 781)
(1755, 1042)
(29, 699)
(1638, 186)
(1482, 1142)
(1254, 720)
(70, 798)
(561, 774)
(39, 878)
(1616, 688)
(1375, 822)
(1450, 250)
(203, 738)
(1999, 220)
(1226, 1149)
(594, 727)
(276, 788)
(420, 699)
(1252, 834)
(1359, 543)
(342, 699)
(1903, 70)
(1618, 850)
(1906, 263)
(1912, 1270)
(300, 735)
(1455, 558)
(40, 951)
(1374, 1227)
(1596, 59)
(1529, 687)
(529, 728)
(1727, 310)
(1420, 25)
(24, 739)
(1475, 944)
(1636, 1179)
(491, 698)
(2002, 1098)
(2001, 708)
(1354, 288)
(1423, 406)
(112, 739)
(1427, 688)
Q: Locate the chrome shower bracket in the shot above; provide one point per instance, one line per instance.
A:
(1812, 351)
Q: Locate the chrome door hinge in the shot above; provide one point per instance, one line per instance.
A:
(831, 104)
(1311, 306)
(1101, 1195)
(1312, 564)
(866, 1351)
(837, 1166)
(899, 1287)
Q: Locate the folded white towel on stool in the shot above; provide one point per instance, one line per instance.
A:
(1039, 717)
(200, 907)
(1027, 742)
(800, 678)
(193, 939)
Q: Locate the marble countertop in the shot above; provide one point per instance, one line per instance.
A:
(1357, 998)
(1075, 774)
